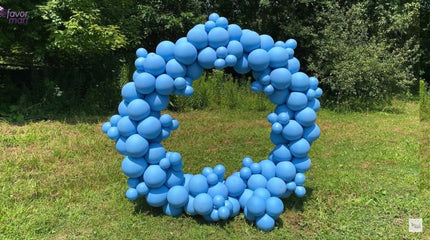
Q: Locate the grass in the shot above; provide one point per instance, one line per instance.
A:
(63, 180)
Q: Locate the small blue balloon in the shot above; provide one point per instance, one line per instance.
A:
(189, 208)
(157, 102)
(230, 60)
(306, 117)
(256, 206)
(218, 189)
(194, 71)
(258, 59)
(132, 194)
(157, 197)
(122, 108)
(213, 17)
(256, 181)
(224, 213)
(106, 126)
(198, 184)
(276, 186)
(267, 42)
(175, 178)
(139, 63)
(168, 209)
(283, 118)
(142, 189)
(278, 57)
(120, 146)
(268, 90)
(291, 43)
(311, 133)
(246, 195)
(299, 82)
(155, 153)
(300, 179)
(293, 65)
(207, 58)
(133, 167)
(291, 186)
(166, 50)
(209, 25)
(296, 101)
(138, 109)
(256, 86)
(175, 69)
(281, 153)
(279, 96)
(268, 169)
(150, 128)
(235, 186)
(212, 179)
(274, 207)
(235, 48)
(129, 92)
(313, 83)
(113, 133)
(272, 117)
(164, 84)
(242, 65)
(220, 64)
(136, 146)
(221, 52)
(277, 128)
(262, 192)
(222, 22)
(280, 78)
(141, 52)
(300, 191)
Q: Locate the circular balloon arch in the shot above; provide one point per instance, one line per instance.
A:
(258, 187)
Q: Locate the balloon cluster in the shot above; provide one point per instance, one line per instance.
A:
(258, 187)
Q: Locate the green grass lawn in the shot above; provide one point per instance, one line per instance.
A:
(63, 180)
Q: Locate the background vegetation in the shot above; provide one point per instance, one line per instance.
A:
(73, 56)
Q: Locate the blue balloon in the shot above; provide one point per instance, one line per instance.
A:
(157, 197)
(306, 117)
(194, 71)
(212, 179)
(203, 204)
(255, 168)
(242, 65)
(280, 44)
(177, 196)
(274, 207)
(224, 213)
(120, 146)
(300, 148)
(166, 119)
(299, 82)
(138, 109)
(141, 52)
(209, 25)
(302, 164)
(175, 69)
(144, 83)
(213, 17)
(235, 186)
(218, 37)
(296, 101)
(300, 191)
(277, 139)
(113, 133)
(272, 117)
(280, 78)
(220, 64)
(267, 42)
(313, 83)
(133, 167)
(268, 169)
(291, 186)
(291, 43)
(256, 206)
(283, 118)
(256, 87)
(230, 60)
(311, 133)
(279, 96)
(157, 102)
(277, 128)
(281, 153)
(235, 48)
(142, 189)
(256, 181)
(292, 131)
(198, 37)
(276, 186)
(185, 53)
(131, 194)
(154, 176)
(300, 179)
(189, 208)
(290, 52)
(247, 161)
(285, 170)
(235, 206)
(207, 58)
(318, 92)
(222, 22)
(155, 153)
(136, 146)
(150, 128)
(221, 52)
(166, 50)
(168, 209)
(126, 126)
(268, 90)
(293, 65)
(278, 57)
(246, 195)
(106, 126)
(129, 92)
(139, 63)
(265, 222)
(258, 59)
(122, 108)
(154, 64)
(250, 40)
(198, 184)
(218, 189)
(262, 192)
(175, 178)
(234, 31)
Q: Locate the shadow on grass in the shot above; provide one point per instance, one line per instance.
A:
(292, 204)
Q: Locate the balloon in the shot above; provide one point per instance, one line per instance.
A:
(175, 69)
(165, 49)
(198, 37)
(154, 176)
(278, 57)
(258, 59)
(144, 83)
(129, 92)
(154, 64)
(203, 204)
(177, 196)
(185, 53)
(218, 37)
(250, 40)
(138, 109)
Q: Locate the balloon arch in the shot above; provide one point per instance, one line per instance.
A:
(258, 187)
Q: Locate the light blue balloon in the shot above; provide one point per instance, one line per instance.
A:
(198, 37)
(255, 168)
(106, 126)
(291, 186)
(281, 153)
(218, 201)
(242, 65)
(299, 82)
(126, 126)
(198, 184)
(235, 48)
(131, 194)
(157, 102)
(203, 204)
(218, 37)
(277, 139)
(278, 57)
(154, 176)
(189, 208)
(250, 40)
(144, 83)
(290, 52)
(207, 58)
(279, 96)
(291, 43)
(230, 60)
(175, 69)
(277, 128)
(285, 170)
(194, 71)
(262, 192)
(129, 92)
(166, 50)
(296, 101)
(138, 109)
(268, 90)
(113, 133)
(300, 191)
(133, 167)
(157, 197)
(313, 83)
(236, 206)
(306, 117)
(177, 196)
(120, 146)
(154, 64)
(138, 63)
(314, 104)
(300, 179)
(212, 179)
(209, 25)
(166, 119)
(276, 186)
(267, 42)
(175, 178)
(234, 31)
(256, 86)
(302, 164)
(258, 59)
(142, 189)
(256, 206)
(300, 148)
(292, 131)
(155, 153)
(268, 169)
(136, 146)
(256, 181)
(150, 128)
(247, 161)
(213, 17)
(280, 78)
(293, 65)
(222, 22)
(235, 186)
(221, 52)
(246, 195)
(122, 108)
(280, 44)
(170, 210)
(218, 189)
(224, 213)
(283, 118)
(220, 64)
(272, 118)
(141, 52)
(274, 207)
(311, 133)
(185, 53)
